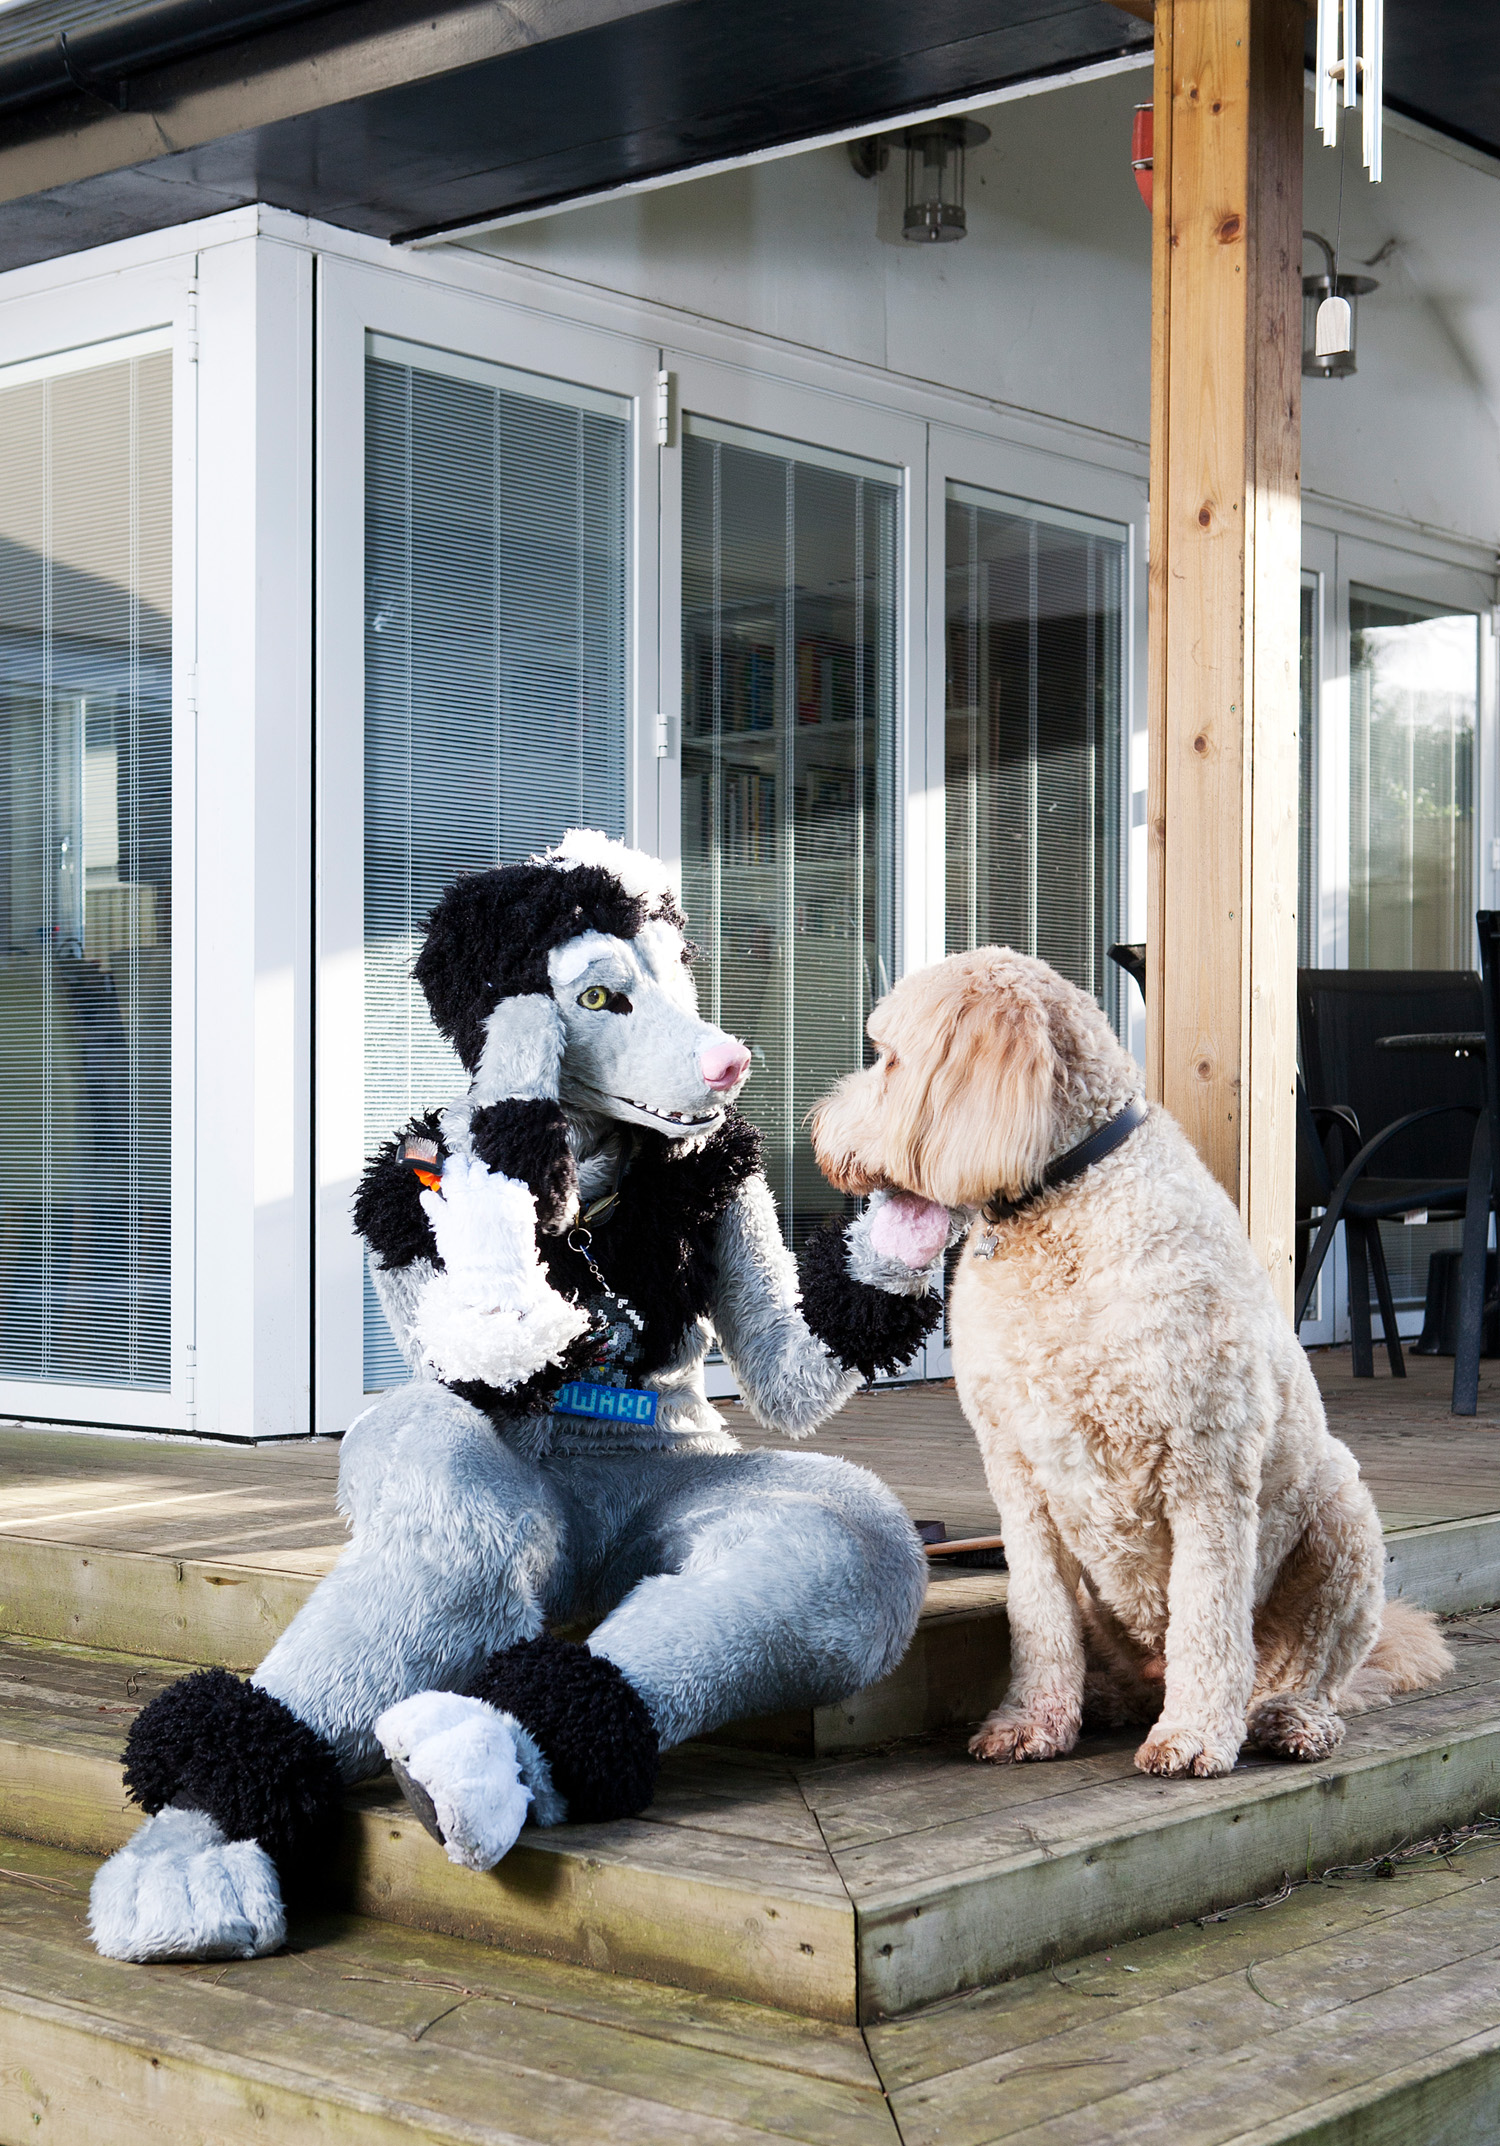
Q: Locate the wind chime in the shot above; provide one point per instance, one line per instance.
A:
(1348, 72)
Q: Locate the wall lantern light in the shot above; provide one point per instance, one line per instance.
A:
(1329, 316)
(935, 151)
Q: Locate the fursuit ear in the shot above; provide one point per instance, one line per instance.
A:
(988, 1107)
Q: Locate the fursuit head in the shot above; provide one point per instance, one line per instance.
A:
(1188, 1545)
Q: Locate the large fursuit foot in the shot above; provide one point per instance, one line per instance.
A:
(459, 1765)
(1175, 1749)
(1046, 1730)
(178, 1890)
(1295, 1725)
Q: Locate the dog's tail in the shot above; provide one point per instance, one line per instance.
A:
(1409, 1653)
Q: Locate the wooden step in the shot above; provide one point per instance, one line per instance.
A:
(1353, 2013)
(361, 2034)
(228, 1616)
(847, 1888)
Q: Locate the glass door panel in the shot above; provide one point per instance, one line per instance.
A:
(1413, 718)
(496, 636)
(85, 876)
(1034, 625)
(790, 582)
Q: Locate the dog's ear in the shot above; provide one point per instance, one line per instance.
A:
(971, 1102)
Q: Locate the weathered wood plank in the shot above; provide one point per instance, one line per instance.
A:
(364, 2033)
(1221, 937)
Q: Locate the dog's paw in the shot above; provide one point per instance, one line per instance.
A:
(457, 1765)
(1013, 1734)
(178, 1890)
(1298, 1728)
(1177, 1750)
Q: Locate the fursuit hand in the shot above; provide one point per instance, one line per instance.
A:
(489, 1312)
(896, 1243)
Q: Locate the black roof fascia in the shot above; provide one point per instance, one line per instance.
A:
(641, 90)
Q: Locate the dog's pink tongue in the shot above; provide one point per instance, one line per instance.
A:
(909, 1229)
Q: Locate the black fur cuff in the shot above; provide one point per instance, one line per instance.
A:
(528, 1140)
(865, 1328)
(214, 1743)
(591, 1723)
(388, 1211)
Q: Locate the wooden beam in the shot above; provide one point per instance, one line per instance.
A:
(1224, 583)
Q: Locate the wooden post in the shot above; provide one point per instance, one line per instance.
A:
(1224, 597)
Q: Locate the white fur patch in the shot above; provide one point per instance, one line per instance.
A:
(569, 961)
(490, 1313)
(636, 872)
(464, 1754)
(178, 1890)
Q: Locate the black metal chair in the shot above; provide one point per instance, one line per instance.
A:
(1432, 1144)
(1327, 1135)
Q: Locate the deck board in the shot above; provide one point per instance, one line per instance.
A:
(271, 1507)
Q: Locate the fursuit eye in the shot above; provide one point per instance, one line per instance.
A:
(595, 999)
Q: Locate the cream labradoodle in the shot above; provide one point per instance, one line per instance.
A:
(1176, 1513)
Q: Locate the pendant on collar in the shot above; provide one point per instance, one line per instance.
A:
(1061, 1171)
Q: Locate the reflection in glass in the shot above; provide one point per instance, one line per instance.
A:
(788, 769)
(495, 667)
(1308, 920)
(1413, 704)
(1034, 629)
(85, 876)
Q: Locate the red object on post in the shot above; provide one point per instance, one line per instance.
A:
(1142, 136)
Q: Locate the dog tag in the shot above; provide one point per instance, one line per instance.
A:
(988, 1245)
(605, 1404)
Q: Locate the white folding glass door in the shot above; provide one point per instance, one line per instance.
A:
(791, 536)
(494, 696)
(1031, 645)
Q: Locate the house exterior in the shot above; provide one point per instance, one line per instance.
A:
(711, 513)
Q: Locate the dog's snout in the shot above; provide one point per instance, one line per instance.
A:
(724, 1065)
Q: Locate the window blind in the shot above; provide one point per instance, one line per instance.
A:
(496, 562)
(1034, 661)
(85, 875)
(789, 576)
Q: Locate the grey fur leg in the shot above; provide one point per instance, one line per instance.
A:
(458, 1547)
(780, 1580)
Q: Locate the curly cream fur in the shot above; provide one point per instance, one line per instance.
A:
(1175, 1510)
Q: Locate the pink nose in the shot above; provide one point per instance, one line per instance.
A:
(724, 1065)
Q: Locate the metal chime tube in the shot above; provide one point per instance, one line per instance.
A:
(1349, 49)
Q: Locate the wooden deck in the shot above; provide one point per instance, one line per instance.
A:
(272, 1506)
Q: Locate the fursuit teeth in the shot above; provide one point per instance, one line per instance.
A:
(588, 1721)
(214, 1743)
(865, 1328)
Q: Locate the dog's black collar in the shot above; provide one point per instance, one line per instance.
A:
(1064, 1168)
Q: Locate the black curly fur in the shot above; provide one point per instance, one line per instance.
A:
(865, 1328)
(657, 1248)
(214, 1743)
(489, 936)
(593, 1726)
(388, 1205)
(529, 1140)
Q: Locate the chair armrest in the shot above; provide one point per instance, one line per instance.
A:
(1361, 1162)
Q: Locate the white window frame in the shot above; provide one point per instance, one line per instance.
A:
(355, 301)
(47, 331)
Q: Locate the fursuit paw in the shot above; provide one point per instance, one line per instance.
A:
(489, 1312)
(1175, 1750)
(893, 1245)
(178, 1890)
(458, 1764)
(1297, 1728)
(1014, 1733)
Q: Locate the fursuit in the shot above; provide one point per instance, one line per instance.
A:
(1188, 1545)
